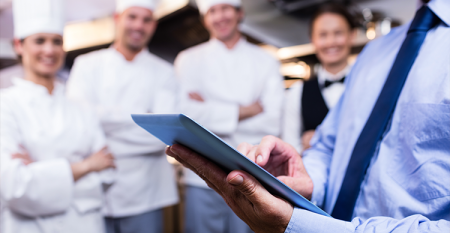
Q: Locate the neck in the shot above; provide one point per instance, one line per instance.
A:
(232, 40)
(46, 81)
(336, 67)
(126, 52)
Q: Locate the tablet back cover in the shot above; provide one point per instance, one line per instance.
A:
(180, 129)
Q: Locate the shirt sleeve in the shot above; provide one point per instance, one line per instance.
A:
(271, 98)
(165, 100)
(292, 118)
(40, 188)
(317, 159)
(81, 87)
(107, 176)
(220, 117)
(305, 221)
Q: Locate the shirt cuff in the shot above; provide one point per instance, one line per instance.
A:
(305, 221)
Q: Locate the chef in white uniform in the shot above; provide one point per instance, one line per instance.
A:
(234, 89)
(53, 156)
(118, 81)
(307, 103)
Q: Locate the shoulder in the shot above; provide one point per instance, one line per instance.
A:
(11, 98)
(158, 62)
(157, 66)
(9, 94)
(387, 42)
(194, 51)
(260, 54)
(92, 57)
(295, 89)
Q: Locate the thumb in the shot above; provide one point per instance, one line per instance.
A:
(249, 187)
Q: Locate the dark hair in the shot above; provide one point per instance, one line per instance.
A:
(333, 8)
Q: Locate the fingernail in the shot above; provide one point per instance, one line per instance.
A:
(259, 159)
(237, 180)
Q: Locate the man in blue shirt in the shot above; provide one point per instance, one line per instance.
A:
(406, 186)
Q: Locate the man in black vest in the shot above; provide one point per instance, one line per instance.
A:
(332, 33)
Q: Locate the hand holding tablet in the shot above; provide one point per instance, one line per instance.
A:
(179, 129)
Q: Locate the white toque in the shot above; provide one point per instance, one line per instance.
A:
(122, 5)
(204, 5)
(38, 16)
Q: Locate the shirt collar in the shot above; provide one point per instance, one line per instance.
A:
(441, 8)
(122, 58)
(323, 74)
(219, 44)
(33, 89)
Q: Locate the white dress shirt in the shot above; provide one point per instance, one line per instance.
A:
(226, 79)
(292, 118)
(42, 196)
(116, 88)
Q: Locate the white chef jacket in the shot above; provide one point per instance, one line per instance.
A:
(227, 78)
(292, 117)
(116, 88)
(42, 196)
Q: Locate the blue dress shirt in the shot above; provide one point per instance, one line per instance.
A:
(408, 180)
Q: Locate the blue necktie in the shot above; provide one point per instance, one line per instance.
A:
(375, 126)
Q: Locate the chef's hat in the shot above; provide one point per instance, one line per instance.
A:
(38, 16)
(125, 4)
(204, 5)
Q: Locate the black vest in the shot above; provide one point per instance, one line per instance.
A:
(314, 108)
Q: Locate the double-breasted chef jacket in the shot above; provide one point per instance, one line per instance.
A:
(116, 88)
(42, 196)
(227, 79)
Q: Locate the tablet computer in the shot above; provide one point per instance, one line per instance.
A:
(180, 129)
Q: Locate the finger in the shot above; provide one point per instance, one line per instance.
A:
(264, 149)
(23, 149)
(16, 156)
(276, 150)
(109, 156)
(201, 166)
(187, 165)
(172, 154)
(245, 149)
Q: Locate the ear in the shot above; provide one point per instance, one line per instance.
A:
(241, 14)
(116, 17)
(18, 46)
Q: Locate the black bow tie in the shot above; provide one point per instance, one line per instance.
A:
(328, 83)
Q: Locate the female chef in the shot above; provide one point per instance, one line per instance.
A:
(332, 34)
(53, 158)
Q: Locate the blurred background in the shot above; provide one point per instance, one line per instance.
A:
(279, 26)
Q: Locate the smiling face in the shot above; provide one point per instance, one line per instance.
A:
(222, 21)
(135, 27)
(41, 53)
(332, 37)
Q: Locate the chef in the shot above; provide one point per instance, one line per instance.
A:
(118, 81)
(53, 159)
(234, 89)
(307, 103)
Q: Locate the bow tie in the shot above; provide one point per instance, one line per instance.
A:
(329, 83)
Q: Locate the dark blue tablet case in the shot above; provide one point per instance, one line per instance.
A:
(180, 129)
